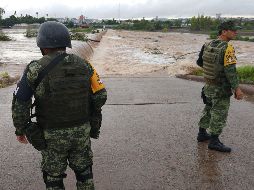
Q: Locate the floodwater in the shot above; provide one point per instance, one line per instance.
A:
(136, 52)
(127, 52)
(21, 50)
(16, 54)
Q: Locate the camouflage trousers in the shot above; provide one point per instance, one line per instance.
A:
(214, 115)
(70, 146)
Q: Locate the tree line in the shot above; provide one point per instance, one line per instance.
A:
(14, 19)
(199, 23)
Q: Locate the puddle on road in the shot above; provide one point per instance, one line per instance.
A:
(209, 170)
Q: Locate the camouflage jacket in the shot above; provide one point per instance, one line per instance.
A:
(21, 109)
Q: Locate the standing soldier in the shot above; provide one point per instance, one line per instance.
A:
(219, 64)
(68, 97)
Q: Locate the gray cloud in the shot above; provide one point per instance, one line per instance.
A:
(152, 8)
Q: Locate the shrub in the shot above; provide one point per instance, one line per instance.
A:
(4, 37)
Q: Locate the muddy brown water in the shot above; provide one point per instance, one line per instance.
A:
(17, 53)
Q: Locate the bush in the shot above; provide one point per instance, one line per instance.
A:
(5, 79)
(31, 33)
(4, 37)
(79, 36)
(165, 30)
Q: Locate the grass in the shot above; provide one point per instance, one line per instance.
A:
(195, 71)
(245, 73)
(85, 30)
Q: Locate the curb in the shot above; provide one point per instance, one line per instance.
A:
(246, 88)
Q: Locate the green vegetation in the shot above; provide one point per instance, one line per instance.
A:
(6, 80)
(4, 75)
(203, 23)
(245, 73)
(147, 25)
(4, 37)
(81, 36)
(214, 35)
(196, 71)
(14, 19)
(85, 30)
(31, 32)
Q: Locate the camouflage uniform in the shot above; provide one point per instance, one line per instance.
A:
(69, 145)
(214, 115)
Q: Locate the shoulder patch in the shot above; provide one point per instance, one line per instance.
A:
(229, 57)
(96, 82)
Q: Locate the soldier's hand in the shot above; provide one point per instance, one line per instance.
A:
(22, 139)
(238, 94)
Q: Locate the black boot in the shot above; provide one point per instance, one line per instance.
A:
(215, 144)
(203, 135)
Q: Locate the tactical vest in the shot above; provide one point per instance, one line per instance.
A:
(66, 99)
(213, 60)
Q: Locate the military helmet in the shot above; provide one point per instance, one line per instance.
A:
(228, 25)
(53, 34)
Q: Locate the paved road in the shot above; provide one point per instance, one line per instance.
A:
(148, 141)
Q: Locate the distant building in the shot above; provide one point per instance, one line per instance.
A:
(81, 19)
(218, 16)
(62, 20)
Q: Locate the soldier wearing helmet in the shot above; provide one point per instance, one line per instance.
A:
(68, 97)
(218, 60)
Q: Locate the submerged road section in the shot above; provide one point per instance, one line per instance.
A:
(147, 141)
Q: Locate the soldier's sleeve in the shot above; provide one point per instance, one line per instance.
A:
(22, 101)
(99, 93)
(230, 61)
(199, 61)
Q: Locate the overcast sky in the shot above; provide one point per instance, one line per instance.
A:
(128, 8)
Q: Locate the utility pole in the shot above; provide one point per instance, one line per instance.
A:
(119, 12)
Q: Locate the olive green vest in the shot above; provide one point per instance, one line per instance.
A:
(213, 60)
(67, 91)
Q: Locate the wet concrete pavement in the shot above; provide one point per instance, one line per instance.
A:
(148, 141)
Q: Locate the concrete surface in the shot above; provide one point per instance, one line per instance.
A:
(147, 142)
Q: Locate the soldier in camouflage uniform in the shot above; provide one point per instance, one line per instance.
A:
(68, 103)
(218, 60)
